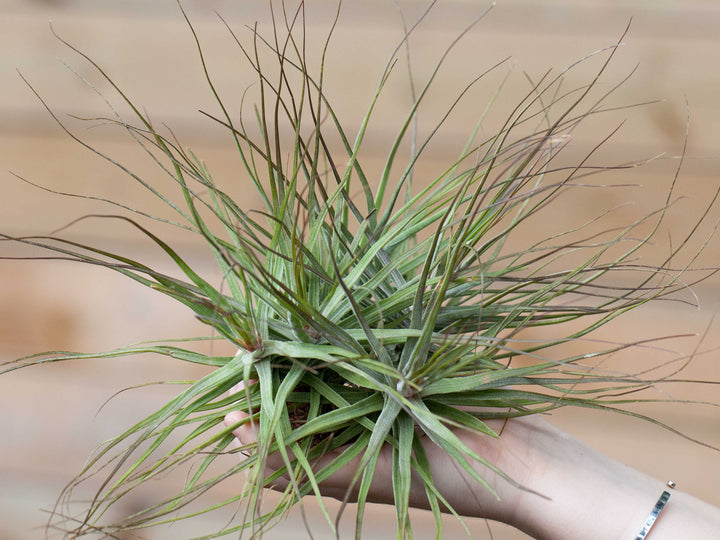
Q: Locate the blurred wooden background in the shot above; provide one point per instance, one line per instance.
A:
(48, 421)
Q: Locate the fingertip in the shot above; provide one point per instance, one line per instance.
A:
(244, 431)
(234, 417)
(240, 386)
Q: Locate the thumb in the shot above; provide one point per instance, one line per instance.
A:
(245, 431)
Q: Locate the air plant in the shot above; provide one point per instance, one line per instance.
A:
(366, 311)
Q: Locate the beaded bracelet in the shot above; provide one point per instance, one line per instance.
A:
(659, 505)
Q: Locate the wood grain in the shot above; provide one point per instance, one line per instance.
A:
(147, 49)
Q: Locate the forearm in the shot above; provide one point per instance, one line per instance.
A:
(560, 487)
(589, 495)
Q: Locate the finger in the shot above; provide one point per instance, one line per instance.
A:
(240, 386)
(335, 486)
(247, 434)
(235, 417)
(340, 484)
(244, 432)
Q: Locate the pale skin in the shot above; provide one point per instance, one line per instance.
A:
(585, 494)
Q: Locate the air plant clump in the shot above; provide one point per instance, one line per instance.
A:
(366, 311)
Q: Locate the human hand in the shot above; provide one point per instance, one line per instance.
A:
(560, 488)
(508, 453)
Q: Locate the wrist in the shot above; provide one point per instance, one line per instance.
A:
(585, 494)
(562, 488)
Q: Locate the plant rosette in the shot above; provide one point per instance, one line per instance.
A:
(367, 311)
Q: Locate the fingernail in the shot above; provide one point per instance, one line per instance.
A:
(233, 417)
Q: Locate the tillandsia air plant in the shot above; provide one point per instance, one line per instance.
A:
(366, 311)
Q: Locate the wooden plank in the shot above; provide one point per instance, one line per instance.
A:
(671, 65)
(54, 430)
(54, 305)
(67, 167)
(364, 12)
